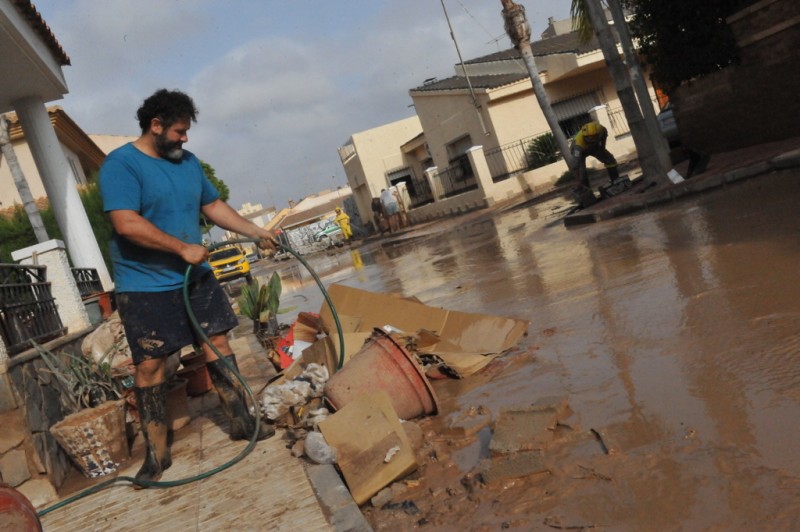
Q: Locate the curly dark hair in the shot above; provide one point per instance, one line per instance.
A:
(168, 107)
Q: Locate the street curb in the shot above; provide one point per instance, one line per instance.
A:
(783, 161)
(335, 499)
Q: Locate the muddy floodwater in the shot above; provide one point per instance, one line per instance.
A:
(673, 335)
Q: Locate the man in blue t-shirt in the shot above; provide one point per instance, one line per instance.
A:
(154, 192)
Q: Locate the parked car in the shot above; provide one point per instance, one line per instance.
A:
(253, 255)
(330, 235)
(668, 125)
(229, 263)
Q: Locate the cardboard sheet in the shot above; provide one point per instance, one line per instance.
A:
(372, 448)
(467, 341)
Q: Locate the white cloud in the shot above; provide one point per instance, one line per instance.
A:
(280, 85)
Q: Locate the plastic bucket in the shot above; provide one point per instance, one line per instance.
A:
(382, 364)
(94, 438)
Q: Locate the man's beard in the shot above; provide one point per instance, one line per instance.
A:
(169, 150)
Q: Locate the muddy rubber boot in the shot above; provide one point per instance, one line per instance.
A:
(613, 173)
(233, 402)
(151, 401)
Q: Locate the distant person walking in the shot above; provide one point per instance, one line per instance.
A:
(379, 217)
(391, 208)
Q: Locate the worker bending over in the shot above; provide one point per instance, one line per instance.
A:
(591, 141)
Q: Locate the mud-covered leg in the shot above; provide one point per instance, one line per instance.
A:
(234, 404)
(151, 401)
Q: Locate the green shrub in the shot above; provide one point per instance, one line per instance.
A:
(542, 151)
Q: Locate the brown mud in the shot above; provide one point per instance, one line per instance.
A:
(673, 334)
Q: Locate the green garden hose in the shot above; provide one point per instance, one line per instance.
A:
(199, 330)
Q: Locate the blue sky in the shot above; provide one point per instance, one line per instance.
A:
(280, 84)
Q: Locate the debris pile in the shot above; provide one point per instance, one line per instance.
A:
(355, 408)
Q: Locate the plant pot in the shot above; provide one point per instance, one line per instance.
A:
(192, 359)
(106, 302)
(383, 365)
(93, 310)
(16, 511)
(94, 438)
(198, 379)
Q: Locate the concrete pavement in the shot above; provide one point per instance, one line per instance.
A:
(269, 489)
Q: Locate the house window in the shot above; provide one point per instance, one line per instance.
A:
(573, 112)
(458, 147)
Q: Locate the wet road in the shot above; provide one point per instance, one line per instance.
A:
(674, 332)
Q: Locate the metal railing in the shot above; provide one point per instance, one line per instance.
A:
(522, 155)
(88, 281)
(27, 307)
(419, 191)
(619, 124)
(457, 178)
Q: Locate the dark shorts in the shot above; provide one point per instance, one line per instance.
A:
(157, 324)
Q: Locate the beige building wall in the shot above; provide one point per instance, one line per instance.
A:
(109, 143)
(446, 117)
(371, 154)
(9, 196)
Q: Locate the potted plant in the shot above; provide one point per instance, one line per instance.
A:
(93, 434)
(261, 304)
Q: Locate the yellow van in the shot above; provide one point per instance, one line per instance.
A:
(229, 263)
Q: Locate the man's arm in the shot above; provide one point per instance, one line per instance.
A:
(226, 217)
(137, 229)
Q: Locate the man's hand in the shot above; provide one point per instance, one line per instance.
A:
(194, 254)
(268, 241)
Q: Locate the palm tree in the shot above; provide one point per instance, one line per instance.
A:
(19, 181)
(519, 32)
(589, 14)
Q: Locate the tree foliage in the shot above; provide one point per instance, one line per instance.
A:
(16, 231)
(219, 184)
(222, 188)
(684, 39)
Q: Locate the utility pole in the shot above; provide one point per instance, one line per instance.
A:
(648, 159)
(639, 84)
(518, 30)
(34, 217)
(475, 103)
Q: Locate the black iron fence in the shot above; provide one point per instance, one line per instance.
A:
(619, 124)
(27, 307)
(88, 281)
(522, 155)
(457, 178)
(419, 191)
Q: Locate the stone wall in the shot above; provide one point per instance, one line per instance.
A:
(30, 458)
(752, 102)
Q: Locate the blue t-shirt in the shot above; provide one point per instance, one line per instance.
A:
(169, 195)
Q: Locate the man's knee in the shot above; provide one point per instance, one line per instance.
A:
(151, 371)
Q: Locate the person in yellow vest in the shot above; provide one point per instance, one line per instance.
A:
(343, 221)
(591, 141)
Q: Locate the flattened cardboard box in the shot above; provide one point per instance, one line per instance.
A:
(372, 448)
(467, 341)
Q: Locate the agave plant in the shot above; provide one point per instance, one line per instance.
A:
(86, 384)
(261, 303)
